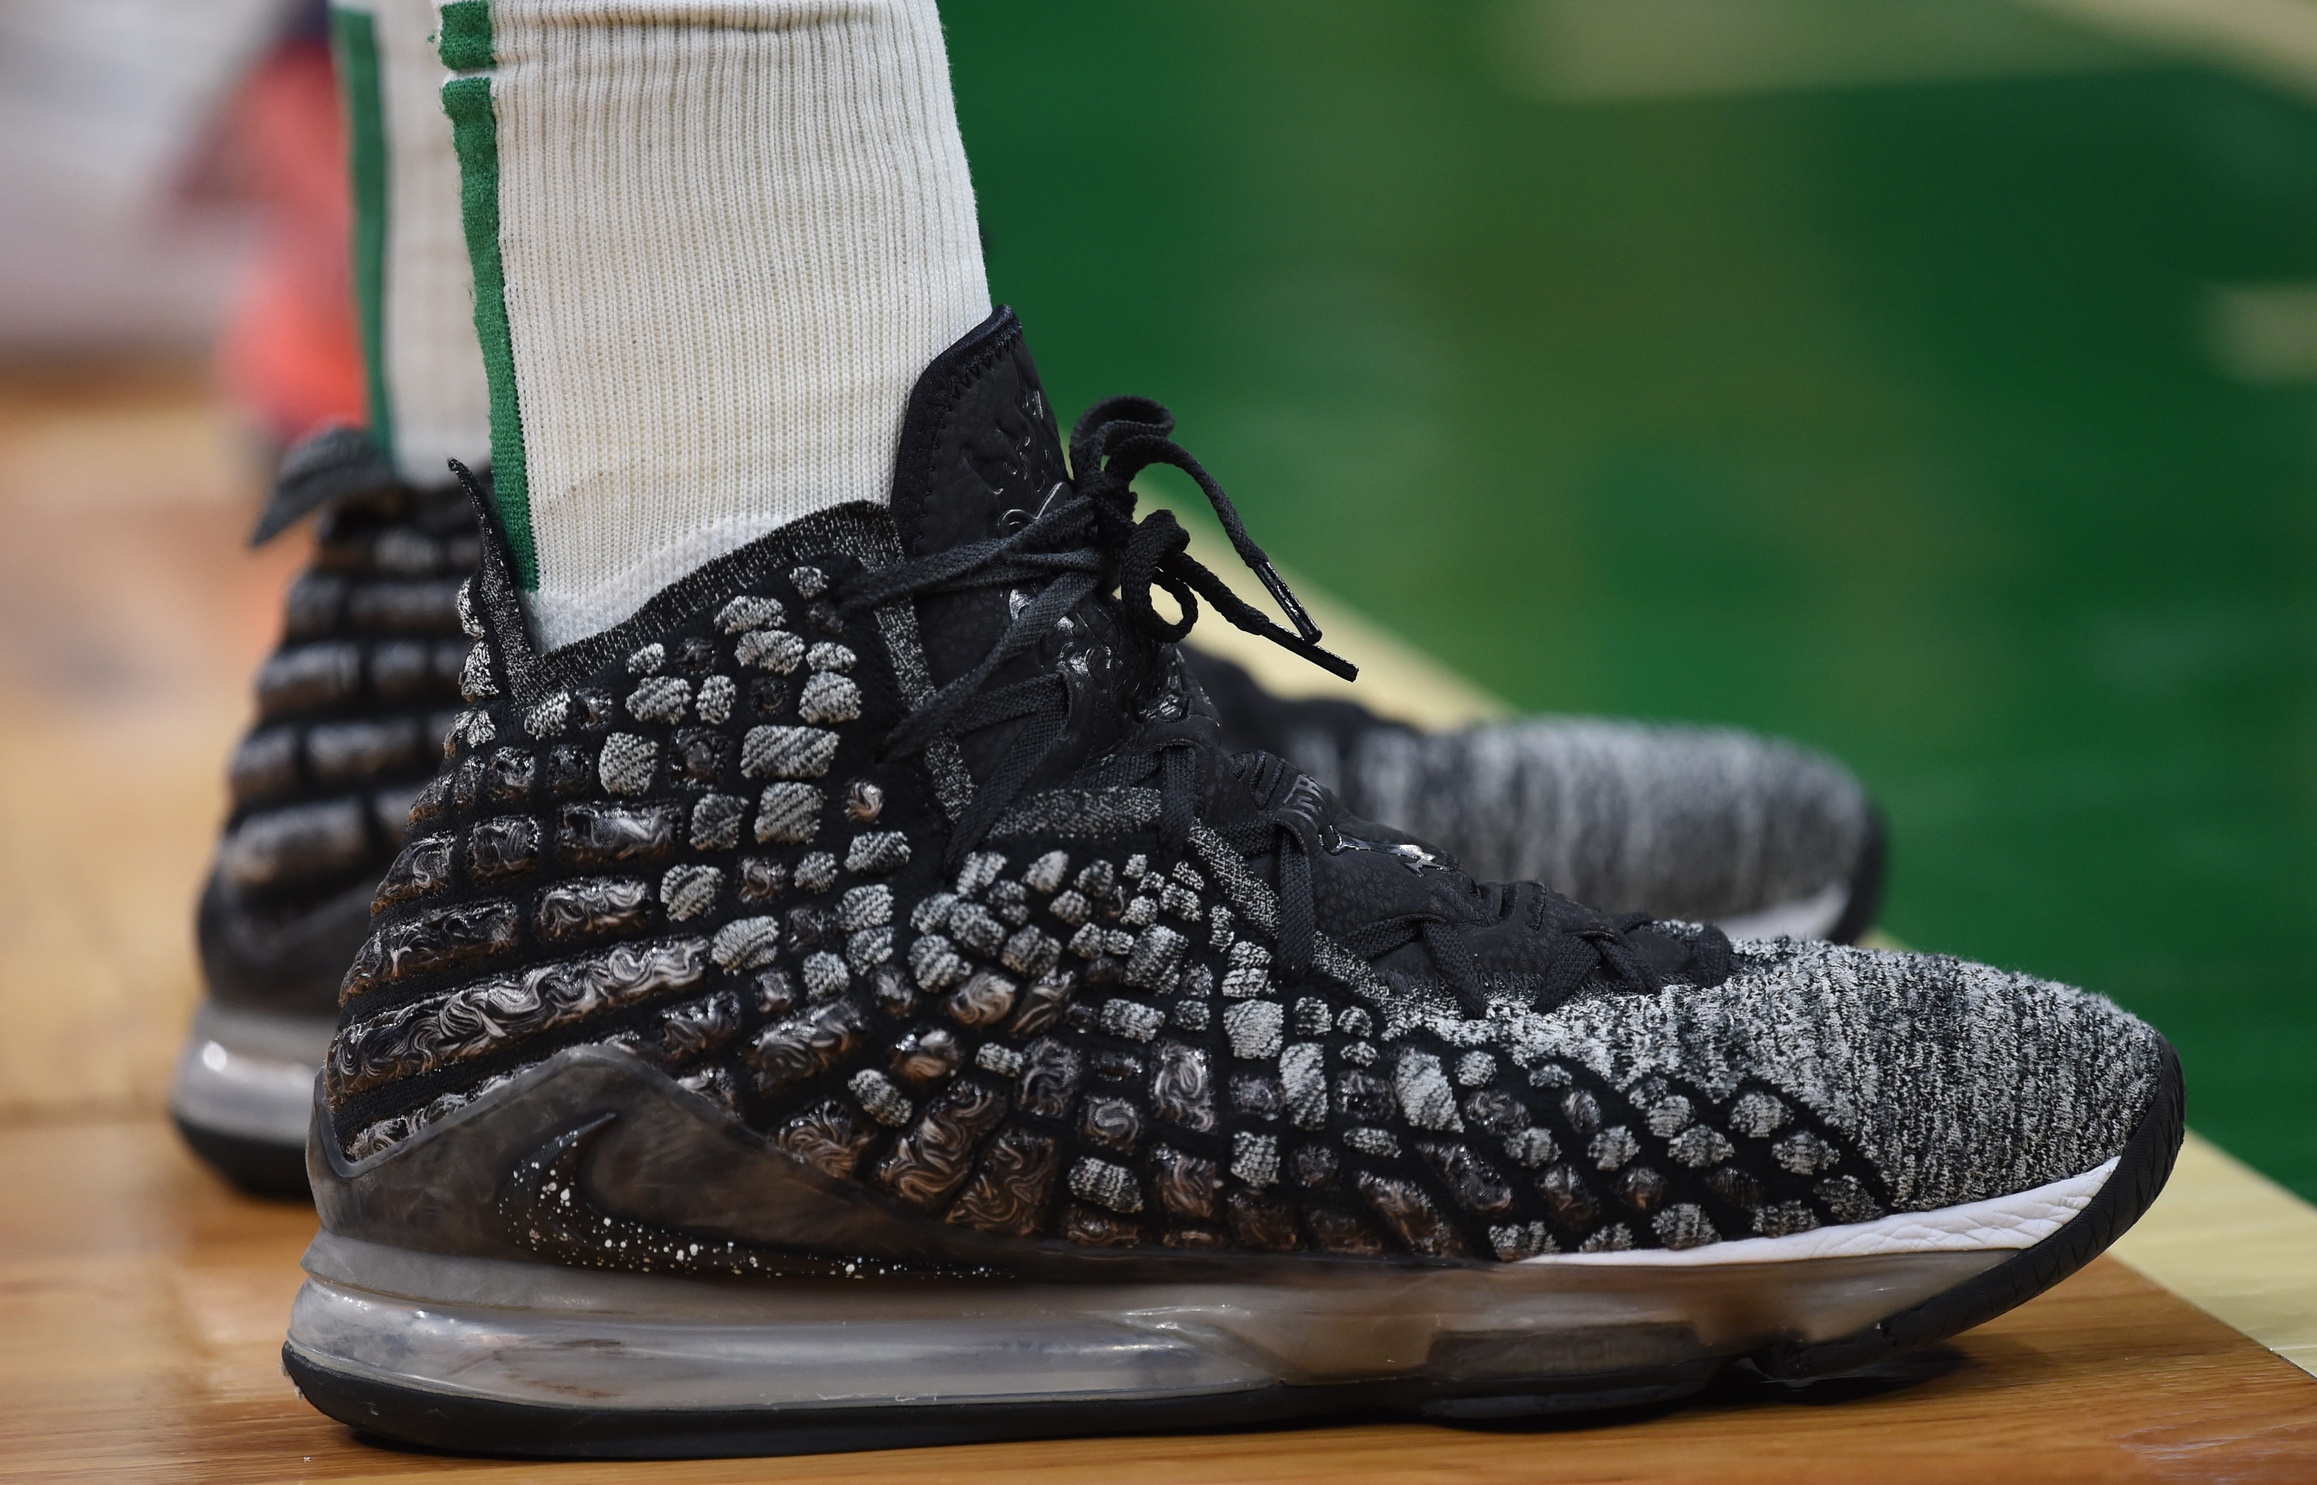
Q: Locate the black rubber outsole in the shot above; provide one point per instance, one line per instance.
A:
(395, 1417)
(259, 1167)
(433, 1420)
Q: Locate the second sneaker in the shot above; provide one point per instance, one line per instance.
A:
(1706, 823)
(352, 709)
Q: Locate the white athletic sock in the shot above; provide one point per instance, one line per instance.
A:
(429, 402)
(715, 242)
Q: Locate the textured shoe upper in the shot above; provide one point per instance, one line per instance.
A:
(1684, 822)
(1954, 1081)
(1062, 970)
(352, 710)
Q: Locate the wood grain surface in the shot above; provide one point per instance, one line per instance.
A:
(144, 1307)
(142, 1304)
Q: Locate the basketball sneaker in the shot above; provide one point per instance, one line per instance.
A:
(857, 1001)
(1709, 824)
(351, 713)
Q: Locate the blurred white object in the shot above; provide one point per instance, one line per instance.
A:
(2273, 41)
(2265, 334)
(1594, 51)
(102, 103)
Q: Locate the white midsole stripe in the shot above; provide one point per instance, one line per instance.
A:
(249, 1074)
(1801, 917)
(2018, 1221)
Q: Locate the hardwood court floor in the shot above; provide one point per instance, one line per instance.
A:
(142, 1303)
(144, 1306)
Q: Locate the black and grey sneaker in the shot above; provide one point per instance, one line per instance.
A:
(352, 711)
(857, 1002)
(1709, 824)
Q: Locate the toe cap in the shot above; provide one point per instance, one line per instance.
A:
(1957, 1081)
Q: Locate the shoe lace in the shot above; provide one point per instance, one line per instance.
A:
(1596, 947)
(1085, 539)
(1593, 947)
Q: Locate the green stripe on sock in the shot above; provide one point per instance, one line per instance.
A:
(354, 36)
(466, 35)
(475, 133)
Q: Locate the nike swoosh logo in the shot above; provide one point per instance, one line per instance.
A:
(548, 1209)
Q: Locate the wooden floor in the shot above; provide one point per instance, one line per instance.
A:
(142, 1304)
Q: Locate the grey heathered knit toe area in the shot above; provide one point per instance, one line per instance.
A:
(1703, 823)
(1959, 1082)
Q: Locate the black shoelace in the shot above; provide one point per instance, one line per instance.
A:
(1085, 539)
(1594, 947)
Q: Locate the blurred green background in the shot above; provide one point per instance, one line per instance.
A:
(1935, 384)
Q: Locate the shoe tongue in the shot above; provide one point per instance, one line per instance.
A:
(979, 441)
(977, 445)
(979, 456)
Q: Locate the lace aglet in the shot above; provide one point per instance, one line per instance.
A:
(1332, 663)
(1306, 630)
(1285, 597)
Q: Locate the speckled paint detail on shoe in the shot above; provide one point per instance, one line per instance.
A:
(1080, 1032)
(872, 929)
